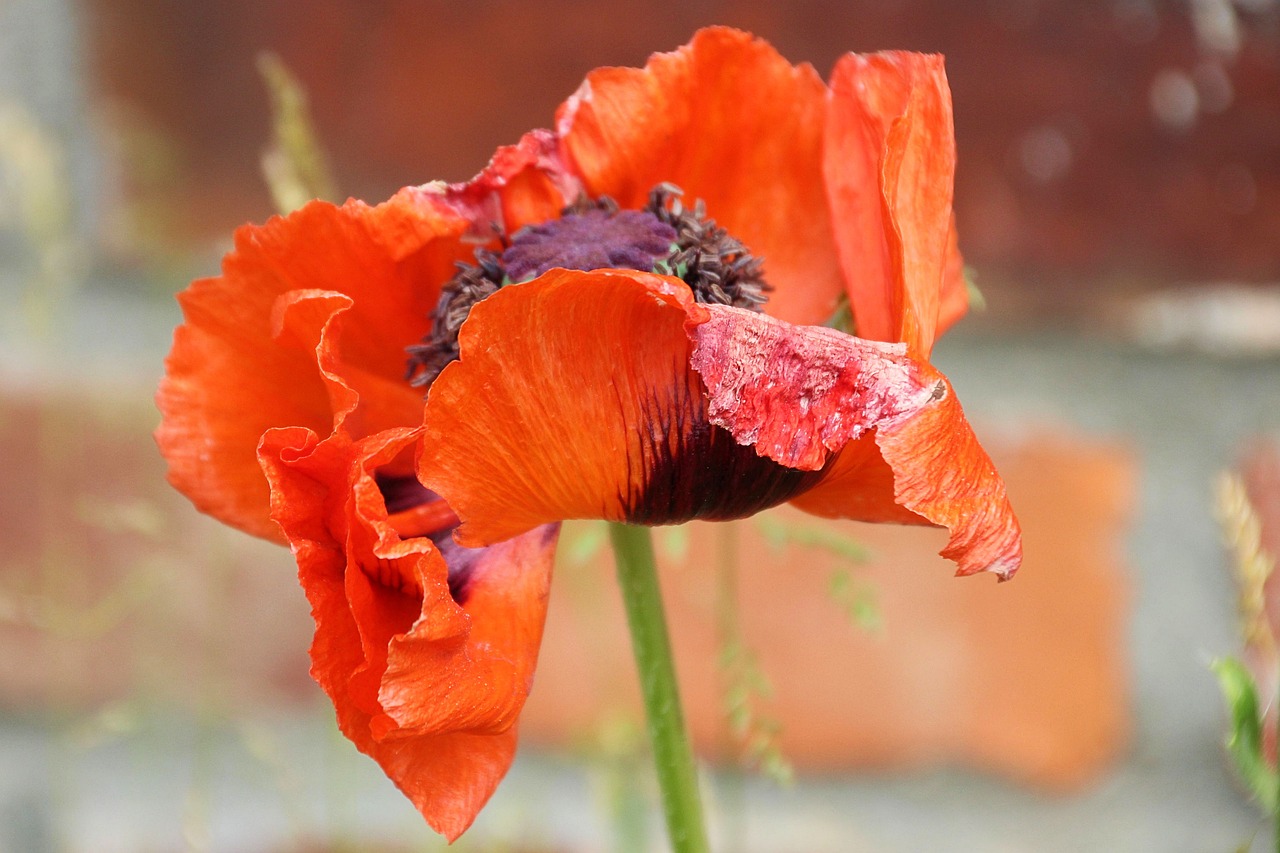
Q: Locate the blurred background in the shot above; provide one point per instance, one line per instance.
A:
(1118, 198)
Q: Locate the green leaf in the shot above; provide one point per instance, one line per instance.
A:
(1244, 743)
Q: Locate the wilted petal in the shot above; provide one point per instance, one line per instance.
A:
(800, 395)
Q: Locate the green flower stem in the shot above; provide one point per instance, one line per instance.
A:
(677, 773)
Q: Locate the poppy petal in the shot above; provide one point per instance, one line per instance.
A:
(801, 394)
(427, 655)
(890, 166)
(573, 398)
(940, 473)
(798, 394)
(524, 183)
(731, 122)
(428, 686)
(858, 484)
(229, 378)
(954, 301)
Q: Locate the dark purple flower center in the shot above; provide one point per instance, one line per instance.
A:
(592, 240)
(664, 237)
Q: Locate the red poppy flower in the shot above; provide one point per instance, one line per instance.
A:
(623, 357)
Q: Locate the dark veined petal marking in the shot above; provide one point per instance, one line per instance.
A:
(574, 398)
(684, 467)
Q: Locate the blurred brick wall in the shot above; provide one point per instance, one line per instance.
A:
(1102, 144)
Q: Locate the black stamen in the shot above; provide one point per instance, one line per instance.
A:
(473, 283)
(715, 265)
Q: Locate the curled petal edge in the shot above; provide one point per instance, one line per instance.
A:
(524, 183)
(429, 687)
(890, 166)
(804, 395)
(230, 375)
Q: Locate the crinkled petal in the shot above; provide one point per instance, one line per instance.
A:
(574, 398)
(954, 301)
(801, 395)
(731, 122)
(235, 369)
(524, 183)
(429, 687)
(941, 472)
(798, 394)
(427, 659)
(890, 166)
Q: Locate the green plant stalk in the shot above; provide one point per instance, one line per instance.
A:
(673, 757)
